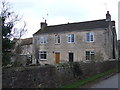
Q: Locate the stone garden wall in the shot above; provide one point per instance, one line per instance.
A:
(50, 76)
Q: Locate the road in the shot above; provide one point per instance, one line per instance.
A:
(111, 82)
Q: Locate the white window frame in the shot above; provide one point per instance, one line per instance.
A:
(90, 37)
(69, 38)
(57, 39)
(40, 54)
(90, 54)
(43, 40)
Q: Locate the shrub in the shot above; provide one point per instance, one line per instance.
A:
(16, 64)
(5, 59)
(77, 69)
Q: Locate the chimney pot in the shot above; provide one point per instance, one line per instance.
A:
(43, 24)
(108, 16)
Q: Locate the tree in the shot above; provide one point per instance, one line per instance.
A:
(9, 31)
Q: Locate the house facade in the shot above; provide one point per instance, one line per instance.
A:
(22, 51)
(80, 41)
(23, 46)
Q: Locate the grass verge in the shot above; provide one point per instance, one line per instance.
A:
(90, 79)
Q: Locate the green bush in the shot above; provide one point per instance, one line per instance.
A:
(16, 64)
(5, 59)
(77, 69)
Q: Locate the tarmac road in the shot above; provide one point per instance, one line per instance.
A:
(111, 82)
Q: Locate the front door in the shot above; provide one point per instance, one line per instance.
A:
(71, 56)
(57, 57)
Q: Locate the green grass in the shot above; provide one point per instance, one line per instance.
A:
(90, 79)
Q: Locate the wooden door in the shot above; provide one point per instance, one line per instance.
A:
(57, 57)
(71, 56)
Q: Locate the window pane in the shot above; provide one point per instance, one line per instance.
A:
(69, 38)
(72, 37)
(87, 55)
(88, 36)
(55, 38)
(91, 52)
(92, 36)
(43, 55)
(58, 38)
(43, 39)
(92, 55)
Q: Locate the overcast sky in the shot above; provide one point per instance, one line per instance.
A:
(62, 11)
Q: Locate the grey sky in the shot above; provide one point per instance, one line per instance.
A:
(62, 11)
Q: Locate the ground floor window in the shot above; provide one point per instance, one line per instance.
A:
(90, 55)
(43, 55)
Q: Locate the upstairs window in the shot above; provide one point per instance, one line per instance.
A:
(57, 39)
(70, 38)
(90, 55)
(43, 39)
(42, 55)
(90, 37)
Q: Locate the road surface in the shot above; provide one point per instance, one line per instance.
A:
(111, 82)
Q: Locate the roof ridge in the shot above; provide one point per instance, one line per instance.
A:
(26, 38)
(100, 23)
(78, 22)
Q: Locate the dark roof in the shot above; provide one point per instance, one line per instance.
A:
(74, 26)
(26, 41)
(15, 40)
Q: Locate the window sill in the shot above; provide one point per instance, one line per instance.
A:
(71, 42)
(57, 43)
(43, 59)
(42, 43)
(88, 60)
(90, 41)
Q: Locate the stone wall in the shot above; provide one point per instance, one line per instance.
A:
(52, 76)
(21, 59)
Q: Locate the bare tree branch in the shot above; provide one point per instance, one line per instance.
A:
(11, 19)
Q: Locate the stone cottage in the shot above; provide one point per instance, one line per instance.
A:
(23, 50)
(79, 41)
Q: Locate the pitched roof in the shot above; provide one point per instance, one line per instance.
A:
(74, 26)
(26, 41)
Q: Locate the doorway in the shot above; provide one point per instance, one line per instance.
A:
(57, 57)
(71, 56)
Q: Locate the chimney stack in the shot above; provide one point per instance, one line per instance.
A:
(113, 24)
(108, 16)
(43, 24)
